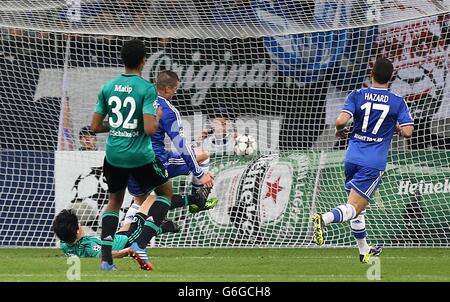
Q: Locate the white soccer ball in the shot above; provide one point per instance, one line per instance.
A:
(245, 145)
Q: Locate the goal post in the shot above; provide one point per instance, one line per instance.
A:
(278, 70)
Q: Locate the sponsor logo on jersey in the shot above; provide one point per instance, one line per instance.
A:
(119, 133)
(368, 138)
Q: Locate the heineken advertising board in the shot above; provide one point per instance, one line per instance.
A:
(268, 202)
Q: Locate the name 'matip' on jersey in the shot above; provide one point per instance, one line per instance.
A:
(375, 113)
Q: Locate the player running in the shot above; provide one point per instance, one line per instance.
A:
(129, 101)
(183, 162)
(377, 114)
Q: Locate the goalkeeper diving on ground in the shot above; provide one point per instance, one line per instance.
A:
(377, 114)
(74, 241)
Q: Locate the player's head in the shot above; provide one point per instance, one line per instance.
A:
(382, 71)
(66, 226)
(167, 83)
(221, 122)
(133, 54)
(88, 139)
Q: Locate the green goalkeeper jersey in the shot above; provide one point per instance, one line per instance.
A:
(91, 246)
(125, 99)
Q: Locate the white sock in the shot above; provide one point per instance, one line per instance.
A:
(196, 183)
(339, 214)
(132, 210)
(358, 226)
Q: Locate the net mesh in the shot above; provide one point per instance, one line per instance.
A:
(275, 70)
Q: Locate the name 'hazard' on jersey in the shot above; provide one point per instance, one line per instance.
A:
(375, 113)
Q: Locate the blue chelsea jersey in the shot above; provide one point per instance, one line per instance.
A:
(375, 113)
(171, 125)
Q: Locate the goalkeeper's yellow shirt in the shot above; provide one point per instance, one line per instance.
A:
(125, 99)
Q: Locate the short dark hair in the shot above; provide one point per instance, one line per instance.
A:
(166, 78)
(86, 130)
(382, 70)
(65, 226)
(132, 53)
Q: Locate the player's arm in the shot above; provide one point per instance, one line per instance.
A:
(404, 131)
(341, 125)
(344, 117)
(98, 124)
(405, 122)
(150, 124)
(150, 116)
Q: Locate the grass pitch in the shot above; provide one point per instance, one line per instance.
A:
(234, 265)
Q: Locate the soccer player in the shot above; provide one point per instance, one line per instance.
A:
(74, 241)
(183, 162)
(377, 114)
(221, 138)
(88, 139)
(129, 102)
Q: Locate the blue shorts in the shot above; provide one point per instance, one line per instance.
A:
(362, 179)
(174, 164)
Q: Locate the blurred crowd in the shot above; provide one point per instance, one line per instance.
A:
(25, 52)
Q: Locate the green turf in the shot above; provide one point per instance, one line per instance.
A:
(228, 265)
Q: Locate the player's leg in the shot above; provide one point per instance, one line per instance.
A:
(361, 182)
(152, 225)
(339, 214)
(133, 229)
(200, 199)
(358, 226)
(318, 222)
(356, 203)
(139, 196)
(153, 177)
(167, 225)
(116, 178)
(202, 158)
(364, 183)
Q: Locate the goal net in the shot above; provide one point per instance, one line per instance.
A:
(278, 71)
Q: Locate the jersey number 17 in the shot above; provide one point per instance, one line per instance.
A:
(367, 107)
